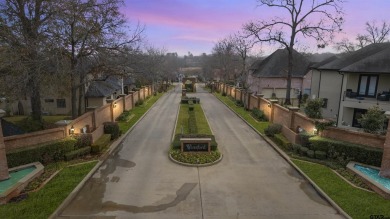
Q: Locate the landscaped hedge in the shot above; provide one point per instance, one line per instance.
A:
(44, 153)
(101, 143)
(77, 153)
(185, 100)
(347, 151)
(176, 141)
(113, 129)
(258, 114)
(282, 141)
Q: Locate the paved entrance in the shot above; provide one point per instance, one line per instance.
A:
(252, 180)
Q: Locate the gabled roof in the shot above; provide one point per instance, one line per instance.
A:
(377, 63)
(100, 89)
(276, 65)
(326, 61)
(354, 57)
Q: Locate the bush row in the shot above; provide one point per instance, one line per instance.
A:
(273, 129)
(124, 117)
(192, 127)
(176, 141)
(44, 153)
(258, 114)
(347, 151)
(77, 153)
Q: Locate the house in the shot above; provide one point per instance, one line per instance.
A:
(353, 83)
(100, 91)
(269, 76)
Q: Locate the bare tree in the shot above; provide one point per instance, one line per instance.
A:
(374, 34)
(242, 47)
(225, 58)
(85, 28)
(24, 38)
(318, 20)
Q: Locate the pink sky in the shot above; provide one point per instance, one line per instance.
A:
(194, 26)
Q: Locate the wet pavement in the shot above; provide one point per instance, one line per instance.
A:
(252, 181)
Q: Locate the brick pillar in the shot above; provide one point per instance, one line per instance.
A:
(293, 110)
(259, 96)
(385, 166)
(111, 103)
(272, 105)
(132, 99)
(3, 158)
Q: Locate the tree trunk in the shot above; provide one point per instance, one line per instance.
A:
(289, 73)
(35, 97)
(73, 95)
(81, 106)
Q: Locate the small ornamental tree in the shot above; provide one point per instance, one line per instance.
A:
(373, 120)
(313, 108)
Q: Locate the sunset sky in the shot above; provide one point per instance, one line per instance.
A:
(194, 26)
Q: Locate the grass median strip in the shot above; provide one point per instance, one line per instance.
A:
(42, 204)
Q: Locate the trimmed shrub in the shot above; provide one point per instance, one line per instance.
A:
(347, 151)
(282, 141)
(239, 103)
(44, 153)
(224, 94)
(303, 151)
(273, 129)
(296, 148)
(83, 140)
(113, 129)
(101, 143)
(258, 114)
(124, 117)
(304, 138)
(77, 153)
(313, 108)
(320, 155)
(310, 153)
(373, 120)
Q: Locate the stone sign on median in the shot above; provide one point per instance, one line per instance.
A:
(195, 144)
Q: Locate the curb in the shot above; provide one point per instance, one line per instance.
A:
(102, 158)
(287, 158)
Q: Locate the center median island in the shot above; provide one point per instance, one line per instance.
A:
(193, 144)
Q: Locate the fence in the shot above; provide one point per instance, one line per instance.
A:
(292, 120)
(90, 122)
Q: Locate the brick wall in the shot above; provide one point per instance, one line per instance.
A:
(93, 120)
(304, 122)
(253, 103)
(376, 141)
(281, 115)
(26, 140)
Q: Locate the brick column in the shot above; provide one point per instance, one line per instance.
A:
(259, 96)
(132, 99)
(3, 158)
(272, 102)
(293, 110)
(111, 102)
(385, 166)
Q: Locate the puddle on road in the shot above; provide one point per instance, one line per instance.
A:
(181, 195)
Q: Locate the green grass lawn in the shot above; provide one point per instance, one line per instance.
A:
(138, 111)
(42, 204)
(201, 121)
(355, 202)
(259, 126)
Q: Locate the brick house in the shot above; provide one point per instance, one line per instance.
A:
(269, 76)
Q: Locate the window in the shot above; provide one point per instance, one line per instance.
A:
(367, 85)
(61, 103)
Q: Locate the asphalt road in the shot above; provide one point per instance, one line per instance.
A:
(252, 181)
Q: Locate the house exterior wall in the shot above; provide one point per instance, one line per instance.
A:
(267, 86)
(96, 101)
(348, 105)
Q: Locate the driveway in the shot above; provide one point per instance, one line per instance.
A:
(252, 181)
